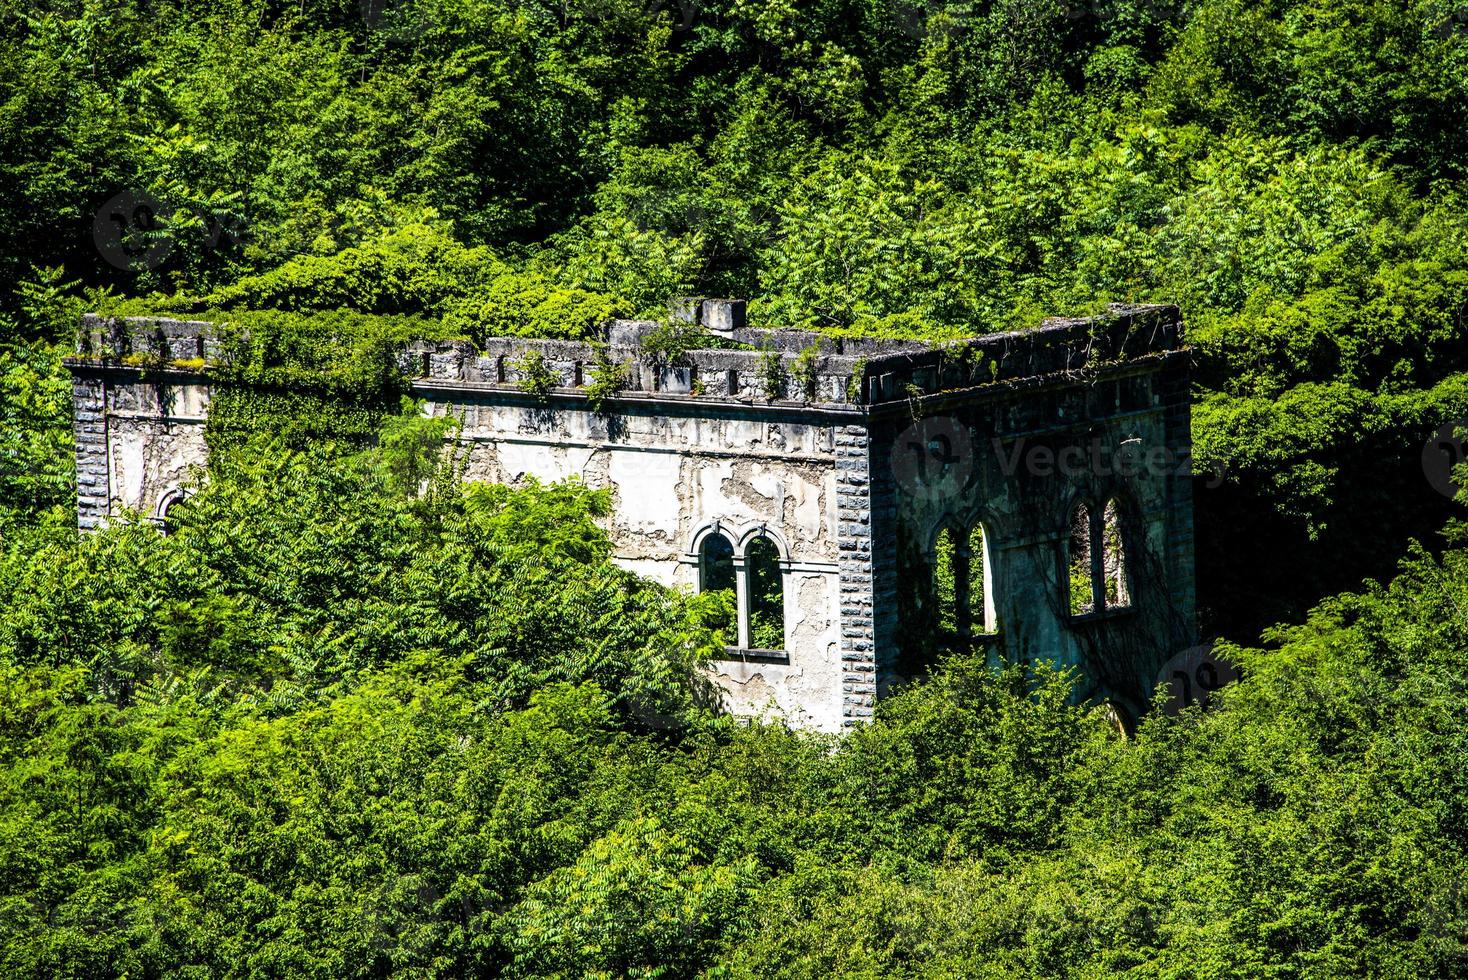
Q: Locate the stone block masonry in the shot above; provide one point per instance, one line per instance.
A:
(853, 517)
(828, 476)
(89, 422)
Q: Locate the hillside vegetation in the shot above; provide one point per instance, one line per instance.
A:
(1291, 174)
(351, 717)
(355, 717)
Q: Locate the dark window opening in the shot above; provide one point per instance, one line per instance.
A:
(716, 581)
(961, 588)
(1097, 560)
(1113, 557)
(1081, 581)
(980, 600)
(766, 595)
(946, 578)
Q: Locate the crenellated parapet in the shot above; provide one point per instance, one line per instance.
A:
(139, 341)
(741, 363)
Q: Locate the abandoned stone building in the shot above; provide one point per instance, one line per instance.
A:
(866, 503)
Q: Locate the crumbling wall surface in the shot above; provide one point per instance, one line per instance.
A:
(137, 440)
(674, 472)
(1018, 460)
(155, 437)
(669, 474)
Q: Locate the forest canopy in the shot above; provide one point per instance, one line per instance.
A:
(1290, 174)
(350, 716)
(353, 716)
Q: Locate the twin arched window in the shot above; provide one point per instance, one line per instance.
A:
(963, 582)
(753, 614)
(765, 594)
(1097, 561)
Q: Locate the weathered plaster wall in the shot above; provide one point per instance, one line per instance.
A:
(672, 476)
(155, 436)
(137, 441)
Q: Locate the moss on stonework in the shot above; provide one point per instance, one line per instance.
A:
(298, 378)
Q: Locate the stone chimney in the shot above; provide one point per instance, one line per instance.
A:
(724, 316)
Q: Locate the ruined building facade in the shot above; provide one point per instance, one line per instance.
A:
(1025, 495)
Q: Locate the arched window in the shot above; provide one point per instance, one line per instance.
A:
(1097, 561)
(766, 595)
(716, 577)
(167, 513)
(1113, 558)
(981, 618)
(947, 578)
(1081, 583)
(743, 596)
(961, 583)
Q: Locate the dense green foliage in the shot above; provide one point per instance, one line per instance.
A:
(307, 377)
(353, 717)
(1290, 173)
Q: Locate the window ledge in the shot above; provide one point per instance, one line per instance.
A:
(740, 654)
(1118, 612)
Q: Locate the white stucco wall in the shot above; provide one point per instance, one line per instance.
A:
(155, 436)
(672, 477)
